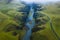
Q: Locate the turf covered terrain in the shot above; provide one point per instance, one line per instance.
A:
(10, 22)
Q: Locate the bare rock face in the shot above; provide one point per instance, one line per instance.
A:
(14, 33)
(37, 29)
(12, 27)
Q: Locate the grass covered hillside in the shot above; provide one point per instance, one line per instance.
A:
(11, 22)
(53, 10)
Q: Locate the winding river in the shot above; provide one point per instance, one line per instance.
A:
(30, 22)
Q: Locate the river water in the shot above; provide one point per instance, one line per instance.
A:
(30, 22)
